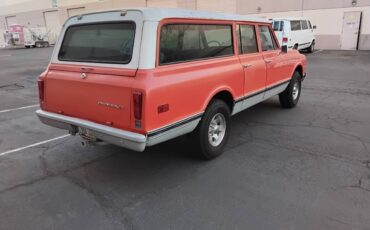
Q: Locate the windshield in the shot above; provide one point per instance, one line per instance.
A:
(103, 43)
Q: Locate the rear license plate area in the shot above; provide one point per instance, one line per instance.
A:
(86, 134)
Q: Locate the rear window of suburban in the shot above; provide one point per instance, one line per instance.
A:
(186, 42)
(100, 43)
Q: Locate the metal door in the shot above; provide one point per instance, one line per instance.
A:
(350, 30)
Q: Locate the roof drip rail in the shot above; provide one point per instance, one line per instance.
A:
(123, 13)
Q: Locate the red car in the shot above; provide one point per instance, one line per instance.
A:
(139, 77)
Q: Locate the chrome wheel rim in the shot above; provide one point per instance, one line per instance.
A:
(217, 129)
(295, 90)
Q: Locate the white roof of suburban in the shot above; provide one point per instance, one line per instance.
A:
(157, 14)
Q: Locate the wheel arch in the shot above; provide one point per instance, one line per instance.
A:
(224, 94)
(298, 68)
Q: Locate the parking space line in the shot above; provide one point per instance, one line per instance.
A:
(33, 145)
(24, 107)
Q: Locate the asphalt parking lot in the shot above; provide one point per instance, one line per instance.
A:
(305, 168)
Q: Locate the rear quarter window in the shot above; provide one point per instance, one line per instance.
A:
(99, 43)
(187, 42)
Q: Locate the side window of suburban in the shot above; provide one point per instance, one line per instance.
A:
(267, 40)
(295, 25)
(186, 42)
(304, 25)
(247, 39)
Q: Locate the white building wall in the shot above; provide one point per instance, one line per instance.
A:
(329, 24)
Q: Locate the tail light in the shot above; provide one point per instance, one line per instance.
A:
(138, 105)
(41, 85)
(285, 40)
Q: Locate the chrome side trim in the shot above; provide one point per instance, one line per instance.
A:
(174, 125)
(246, 103)
(130, 140)
(257, 97)
(173, 132)
(275, 90)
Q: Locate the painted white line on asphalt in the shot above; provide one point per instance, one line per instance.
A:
(6, 55)
(318, 51)
(33, 145)
(24, 107)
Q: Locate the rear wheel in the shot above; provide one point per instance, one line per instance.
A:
(312, 47)
(213, 130)
(290, 96)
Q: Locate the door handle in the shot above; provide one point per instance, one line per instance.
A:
(247, 66)
(86, 69)
(268, 61)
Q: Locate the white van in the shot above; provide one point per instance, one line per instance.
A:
(296, 33)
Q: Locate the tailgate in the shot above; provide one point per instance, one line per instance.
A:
(90, 93)
(93, 67)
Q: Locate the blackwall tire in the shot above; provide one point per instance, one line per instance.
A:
(290, 96)
(213, 130)
(311, 49)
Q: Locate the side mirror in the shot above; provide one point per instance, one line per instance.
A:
(314, 27)
(284, 49)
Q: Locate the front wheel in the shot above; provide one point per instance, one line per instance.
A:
(213, 130)
(290, 96)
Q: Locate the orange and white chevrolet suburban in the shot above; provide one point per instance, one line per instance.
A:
(139, 77)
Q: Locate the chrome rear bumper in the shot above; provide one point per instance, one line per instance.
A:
(130, 140)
